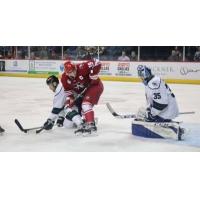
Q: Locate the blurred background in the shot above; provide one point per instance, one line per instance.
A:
(109, 53)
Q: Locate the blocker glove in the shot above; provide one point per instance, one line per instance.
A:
(48, 124)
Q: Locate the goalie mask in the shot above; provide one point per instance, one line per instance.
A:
(144, 73)
(52, 81)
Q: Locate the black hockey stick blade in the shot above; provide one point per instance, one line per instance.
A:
(39, 130)
(118, 115)
(19, 125)
(23, 129)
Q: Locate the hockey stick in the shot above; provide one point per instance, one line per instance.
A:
(78, 96)
(23, 129)
(187, 113)
(118, 115)
(39, 130)
(133, 115)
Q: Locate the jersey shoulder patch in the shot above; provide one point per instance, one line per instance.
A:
(154, 83)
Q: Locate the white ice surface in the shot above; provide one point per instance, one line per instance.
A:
(30, 101)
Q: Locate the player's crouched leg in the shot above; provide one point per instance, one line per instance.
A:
(60, 121)
(68, 124)
(72, 120)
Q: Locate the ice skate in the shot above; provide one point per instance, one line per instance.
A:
(87, 129)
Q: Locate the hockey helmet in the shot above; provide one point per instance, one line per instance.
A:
(51, 79)
(69, 67)
(144, 73)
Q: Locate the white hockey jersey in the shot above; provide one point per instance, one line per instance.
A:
(58, 102)
(160, 98)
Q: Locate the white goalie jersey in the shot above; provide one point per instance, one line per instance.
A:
(58, 102)
(160, 98)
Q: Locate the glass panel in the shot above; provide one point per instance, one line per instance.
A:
(123, 53)
(161, 53)
(80, 52)
(46, 52)
(54, 52)
(22, 52)
(7, 52)
(192, 53)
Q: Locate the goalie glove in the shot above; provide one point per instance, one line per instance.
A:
(48, 124)
(149, 117)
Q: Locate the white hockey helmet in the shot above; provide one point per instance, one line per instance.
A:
(144, 73)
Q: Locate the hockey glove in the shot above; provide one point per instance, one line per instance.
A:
(149, 117)
(60, 121)
(48, 124)
(69, 102)
(1, 130)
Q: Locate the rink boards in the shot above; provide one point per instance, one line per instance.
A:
(172, 72)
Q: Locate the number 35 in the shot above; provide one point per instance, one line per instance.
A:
(157, 96)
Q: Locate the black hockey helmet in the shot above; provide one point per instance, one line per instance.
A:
(51, 79)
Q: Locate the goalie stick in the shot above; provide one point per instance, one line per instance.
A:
(133, 115)
(118, 115)
(23, 129)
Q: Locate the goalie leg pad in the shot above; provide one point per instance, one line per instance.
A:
(157, 130)
(142, 131)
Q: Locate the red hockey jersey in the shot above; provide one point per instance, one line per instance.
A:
(86, 75)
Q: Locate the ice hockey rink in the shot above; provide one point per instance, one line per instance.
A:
(30, 101)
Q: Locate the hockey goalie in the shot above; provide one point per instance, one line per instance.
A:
(155, 121)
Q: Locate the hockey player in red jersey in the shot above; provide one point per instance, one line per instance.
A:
(82, 80)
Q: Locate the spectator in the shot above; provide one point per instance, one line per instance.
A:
(53, 55)
(101, 50)
(66, 56)
(197, 55)
(2, 64)
(71, 50)
(178, 53)
(91, 52)
(174, 56)
(123, 57)
(19, 55)
(32, 56)
(109, 53)
(21, 52)
(9, 55)
(43, 53)
(80, 53)
(133, 56)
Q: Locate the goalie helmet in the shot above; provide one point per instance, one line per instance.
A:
(144, 73)
(69, 67)
(52, 80)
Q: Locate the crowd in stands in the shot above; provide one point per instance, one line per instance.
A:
(120, 53)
